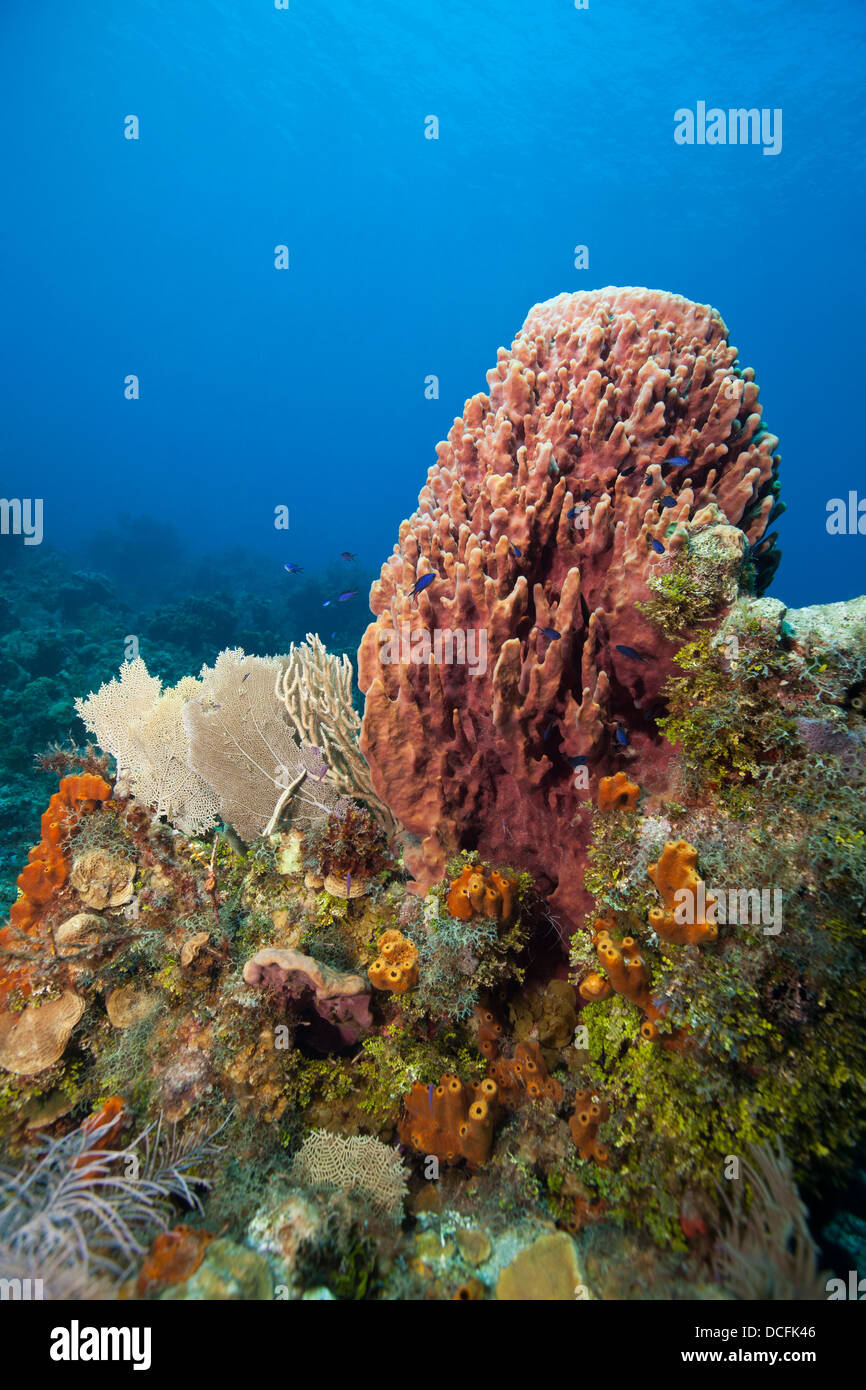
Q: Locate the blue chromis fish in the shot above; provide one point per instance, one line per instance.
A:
(630, 652)
(657, 546)
(347, 555)
(576, 511)
(421, 584)
(549, 632)
(327, 603)
(627, 472)
(430, 1093)
(350, 593)
(293, 569)
(668, 502)
(579, 761)
(677, 462)
(348, 876)
(621, 736)
(515, 551)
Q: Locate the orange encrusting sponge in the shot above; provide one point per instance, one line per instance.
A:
(47, 869)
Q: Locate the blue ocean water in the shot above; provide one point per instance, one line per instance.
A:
(305, 127)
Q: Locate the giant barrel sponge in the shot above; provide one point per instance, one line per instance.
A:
(619, 434)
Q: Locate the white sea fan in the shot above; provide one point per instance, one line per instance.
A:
(241, 744)
(141, 726)
(357, 1163)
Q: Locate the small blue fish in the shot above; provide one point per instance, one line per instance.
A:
(347, 555)
(657, 546)
(247, 676)
(549, 632)
(547, 732)
(579, 761)
(630, 652)
(677, 462)
(668, 502)
(430, 1093)
(421, 584)
(327, 603)
(621, 736)
(350, 593)
(576, 511)
(626, 472)
(515, 551)
(293, 569)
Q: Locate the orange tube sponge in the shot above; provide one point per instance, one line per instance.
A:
(396, 966)
(684, 896)
(480, 892)
(589, 1113)
(524, 1076)
(628, 975)
(488, 1033)
(617, 793)
(451, 1121)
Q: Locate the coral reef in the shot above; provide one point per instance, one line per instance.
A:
(349, 1085)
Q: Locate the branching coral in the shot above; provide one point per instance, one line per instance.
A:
(316, 689)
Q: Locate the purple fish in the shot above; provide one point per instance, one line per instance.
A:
(657, 546)
(549, 632)
(350, 593)
(348, 885)
(430, 1093)
(677, 462)
(621, 735)
(421, 584)
(630, 652)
